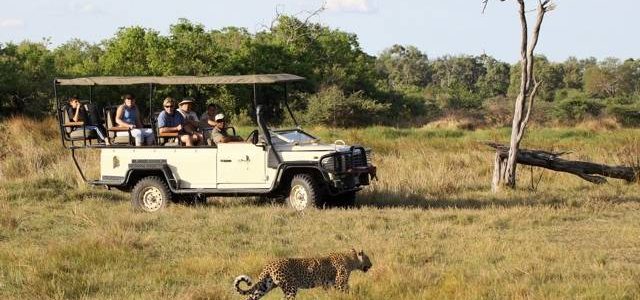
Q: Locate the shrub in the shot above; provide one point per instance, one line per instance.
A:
(567, 93)
(575, 109)
(498, 111)
(627, 115)
(330, 106)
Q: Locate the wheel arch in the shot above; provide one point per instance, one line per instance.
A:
(289, 171)
(136, 174)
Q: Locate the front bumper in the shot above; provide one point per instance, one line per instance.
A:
(348, 170)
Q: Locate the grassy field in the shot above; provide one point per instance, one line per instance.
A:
(430, 225)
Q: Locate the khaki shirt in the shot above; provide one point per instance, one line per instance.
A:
(218, 134)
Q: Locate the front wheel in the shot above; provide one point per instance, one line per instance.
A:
(150, 194)
(305, 193)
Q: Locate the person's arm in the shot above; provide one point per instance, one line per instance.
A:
(138, 119)
(119, 121)
(76, 115)
(203, 120)
(162, 124)
(211, 122)
(193, 120)
(170, 129)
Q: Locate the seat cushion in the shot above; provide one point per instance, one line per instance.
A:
(120, 140)
(77, 134)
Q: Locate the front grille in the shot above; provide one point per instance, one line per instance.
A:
(359, 158)
(343, 161)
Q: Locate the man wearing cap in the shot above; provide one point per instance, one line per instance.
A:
(190, 121)
(219, 133)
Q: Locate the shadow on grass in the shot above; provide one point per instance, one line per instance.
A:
(47, 189)
(524, 199)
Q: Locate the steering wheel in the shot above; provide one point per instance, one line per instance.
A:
(253, 137)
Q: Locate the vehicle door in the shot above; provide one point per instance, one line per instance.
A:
(241, 163)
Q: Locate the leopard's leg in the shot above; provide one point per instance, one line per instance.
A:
(342, 281)
(289, 291)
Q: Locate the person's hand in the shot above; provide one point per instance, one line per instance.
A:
(132, 126)
(179, 127)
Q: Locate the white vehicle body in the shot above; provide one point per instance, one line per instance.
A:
(237, 167)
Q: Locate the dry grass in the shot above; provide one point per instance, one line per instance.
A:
(430, 225)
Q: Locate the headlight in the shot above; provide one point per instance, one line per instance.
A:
(329, 163)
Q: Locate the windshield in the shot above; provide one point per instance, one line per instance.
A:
(292, 136)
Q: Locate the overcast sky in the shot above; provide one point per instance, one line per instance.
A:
(437, 27)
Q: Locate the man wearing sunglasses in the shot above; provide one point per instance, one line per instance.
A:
(170, 121)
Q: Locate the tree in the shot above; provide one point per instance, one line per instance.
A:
(77, 58)
(457, 72)
(128, 52)
(505, 170)
(545, 71)
(495, 78)
(600, 81)
(26, 73)
(404, 65)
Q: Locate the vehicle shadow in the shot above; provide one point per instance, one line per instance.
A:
(524, 199)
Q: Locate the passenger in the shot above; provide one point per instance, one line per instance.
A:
(219, 133)
(207, 122)
(190, 123)
(128, 116)
(171, 122)
(78, 113)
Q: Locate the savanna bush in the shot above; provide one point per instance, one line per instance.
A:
(331, 106)
(575, 109)
(627, 115)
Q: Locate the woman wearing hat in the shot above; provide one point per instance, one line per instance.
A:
(128, 116)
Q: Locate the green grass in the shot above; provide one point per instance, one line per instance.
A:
(430, 225)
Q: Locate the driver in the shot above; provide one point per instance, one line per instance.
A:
(219, 133)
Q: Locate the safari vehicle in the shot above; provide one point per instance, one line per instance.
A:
(285, 163)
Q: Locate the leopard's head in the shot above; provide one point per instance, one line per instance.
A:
(364, 263)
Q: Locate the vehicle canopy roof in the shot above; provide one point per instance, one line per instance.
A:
(181, 80)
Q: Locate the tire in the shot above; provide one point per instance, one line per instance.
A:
(304, 193)
(150, 194)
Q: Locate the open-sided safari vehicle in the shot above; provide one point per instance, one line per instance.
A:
(273, 163)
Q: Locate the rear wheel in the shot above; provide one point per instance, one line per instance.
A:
(150, 194)
(304, 193)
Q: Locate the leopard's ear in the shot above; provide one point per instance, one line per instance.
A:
(353, 251)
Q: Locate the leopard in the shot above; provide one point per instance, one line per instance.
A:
(292, 274)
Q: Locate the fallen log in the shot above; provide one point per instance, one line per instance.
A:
(588, 171)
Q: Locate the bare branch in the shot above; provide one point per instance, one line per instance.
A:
(532, 97)
(484, 5)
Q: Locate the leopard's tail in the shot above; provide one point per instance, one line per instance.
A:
(247, 280)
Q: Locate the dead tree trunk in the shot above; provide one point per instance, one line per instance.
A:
(506, 171)
(588, 171)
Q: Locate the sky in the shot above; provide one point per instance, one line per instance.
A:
(446, 27)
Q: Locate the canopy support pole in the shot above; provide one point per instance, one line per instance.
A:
(286, 103)
(75, 161)
(150, 100)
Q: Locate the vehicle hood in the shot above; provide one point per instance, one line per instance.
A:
(313, 147)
